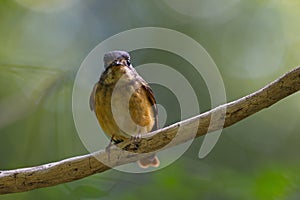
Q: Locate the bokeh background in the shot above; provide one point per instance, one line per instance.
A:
(43, 43)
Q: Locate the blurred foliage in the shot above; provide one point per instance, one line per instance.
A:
(252, 42)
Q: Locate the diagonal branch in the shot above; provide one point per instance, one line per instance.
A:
(20, 180)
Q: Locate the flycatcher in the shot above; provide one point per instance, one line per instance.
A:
(124, 103)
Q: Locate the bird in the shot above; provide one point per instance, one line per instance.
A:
(124, 103)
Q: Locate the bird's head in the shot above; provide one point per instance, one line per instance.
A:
(116, 58)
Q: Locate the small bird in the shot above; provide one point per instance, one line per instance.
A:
(124, 103)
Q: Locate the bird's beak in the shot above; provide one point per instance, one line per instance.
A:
(118, 62)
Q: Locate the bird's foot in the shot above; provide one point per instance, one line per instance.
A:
(136, 139)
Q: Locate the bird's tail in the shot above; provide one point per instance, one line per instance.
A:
(149, 161)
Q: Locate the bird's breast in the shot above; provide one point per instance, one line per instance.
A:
(122, 106)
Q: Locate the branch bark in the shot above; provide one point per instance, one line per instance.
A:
(25, 179)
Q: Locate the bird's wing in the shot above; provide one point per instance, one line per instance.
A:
(92, 97)
(152, 100)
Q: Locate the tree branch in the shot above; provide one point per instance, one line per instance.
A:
(20, 180)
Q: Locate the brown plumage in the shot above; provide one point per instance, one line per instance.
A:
(123, 102)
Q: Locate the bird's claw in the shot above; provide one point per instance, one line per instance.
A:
(136, 139)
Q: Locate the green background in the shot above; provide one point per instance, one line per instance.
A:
(43, 43)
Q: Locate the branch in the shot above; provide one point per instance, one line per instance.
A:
(20, 180)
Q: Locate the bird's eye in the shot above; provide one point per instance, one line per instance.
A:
(128, 62)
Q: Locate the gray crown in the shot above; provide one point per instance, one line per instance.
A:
(111, 56)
